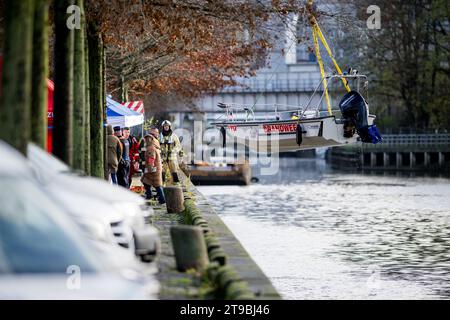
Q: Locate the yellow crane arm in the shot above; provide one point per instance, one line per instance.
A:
(322, 70)
(325, 44)
(317, 33)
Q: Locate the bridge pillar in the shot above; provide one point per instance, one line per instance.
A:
(373, 159)
(385, 159)
(426, 159)
(412, 159)
(441, 159)
(398, 159)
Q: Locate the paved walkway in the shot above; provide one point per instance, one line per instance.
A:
(174, 285)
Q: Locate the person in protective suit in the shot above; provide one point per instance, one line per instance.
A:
(170, 150)
(152, 176)
(113, 153)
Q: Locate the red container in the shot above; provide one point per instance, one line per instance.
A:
(51, 90)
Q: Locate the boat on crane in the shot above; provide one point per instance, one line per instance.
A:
(306, 127)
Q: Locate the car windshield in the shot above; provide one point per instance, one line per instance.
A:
(35, 236)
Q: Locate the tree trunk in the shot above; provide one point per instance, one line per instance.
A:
(40, 74)
(15, 106)
(96, 98)
(79, 94)
(105, 167)
(87, 109)
(63, 104)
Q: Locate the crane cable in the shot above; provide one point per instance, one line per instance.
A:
(317, 34)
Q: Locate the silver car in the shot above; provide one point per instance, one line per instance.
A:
(121, 212)
(44, 254)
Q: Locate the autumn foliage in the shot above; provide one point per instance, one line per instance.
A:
(182, 47)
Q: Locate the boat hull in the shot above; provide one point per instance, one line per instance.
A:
(281, 136)
(230, 174)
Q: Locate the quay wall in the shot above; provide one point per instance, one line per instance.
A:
(231, 274)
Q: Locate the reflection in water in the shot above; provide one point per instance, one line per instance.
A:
(320, 234)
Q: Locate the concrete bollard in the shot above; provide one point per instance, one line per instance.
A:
(174, 199)
(189, 247)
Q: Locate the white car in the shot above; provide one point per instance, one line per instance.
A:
(44, 254)
(121, 212)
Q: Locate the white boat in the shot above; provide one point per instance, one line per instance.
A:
(301, 128)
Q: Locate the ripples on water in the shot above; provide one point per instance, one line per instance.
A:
(318, 234)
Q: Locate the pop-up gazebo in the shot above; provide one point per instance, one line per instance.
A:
(119, 115)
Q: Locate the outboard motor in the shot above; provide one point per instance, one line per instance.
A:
(354, 111)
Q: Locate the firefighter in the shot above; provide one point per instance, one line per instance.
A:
(153, 168)
(170, 150)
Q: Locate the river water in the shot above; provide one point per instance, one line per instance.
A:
(322, 234)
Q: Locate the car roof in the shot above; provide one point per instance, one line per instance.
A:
(44, 160)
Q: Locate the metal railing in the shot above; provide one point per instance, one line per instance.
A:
(417, 139)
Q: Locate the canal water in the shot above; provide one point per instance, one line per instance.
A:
(322, 234)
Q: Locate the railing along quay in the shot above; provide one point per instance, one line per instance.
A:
(400, 152)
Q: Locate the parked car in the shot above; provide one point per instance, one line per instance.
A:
(87, 198)
(44, 254)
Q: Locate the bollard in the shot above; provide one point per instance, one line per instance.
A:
(174, 199)
(189, 247)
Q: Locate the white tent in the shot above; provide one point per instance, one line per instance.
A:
(119, 115)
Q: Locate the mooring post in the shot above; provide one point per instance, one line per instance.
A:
(174, 199)
(189, 247)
